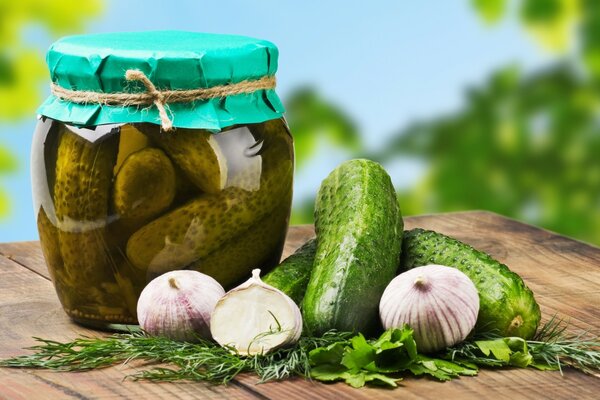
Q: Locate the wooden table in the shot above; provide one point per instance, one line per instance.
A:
(563, 273)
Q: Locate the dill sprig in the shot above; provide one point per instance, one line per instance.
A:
(201, 361)
(168, 360)
(551, 348)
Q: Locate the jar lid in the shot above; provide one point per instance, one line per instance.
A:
(199, 80)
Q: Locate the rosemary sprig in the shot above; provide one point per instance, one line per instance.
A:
(202, 361)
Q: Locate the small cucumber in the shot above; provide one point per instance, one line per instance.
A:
(144, 186)
(506, 304)
(292, 275)
(359, 235)
(258, 246)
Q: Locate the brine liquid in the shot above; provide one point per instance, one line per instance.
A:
(120, 205)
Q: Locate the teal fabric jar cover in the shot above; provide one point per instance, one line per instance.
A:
(171, 60)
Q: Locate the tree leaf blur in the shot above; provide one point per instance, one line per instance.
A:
(22, 70)
(523, 145)
(551, 22)
(490, 10)
(590, 37)
(313, 119)
(526, 148)
(8, 164)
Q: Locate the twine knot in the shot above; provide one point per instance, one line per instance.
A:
(160, 98)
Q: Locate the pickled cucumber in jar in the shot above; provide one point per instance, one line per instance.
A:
(258, 182)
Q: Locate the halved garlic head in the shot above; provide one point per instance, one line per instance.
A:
(255, 318)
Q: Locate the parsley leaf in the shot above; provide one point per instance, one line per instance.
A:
(440, 369)
(498, 348)
(359, 355)
(359, 361)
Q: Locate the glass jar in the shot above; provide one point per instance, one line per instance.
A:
(122, 202)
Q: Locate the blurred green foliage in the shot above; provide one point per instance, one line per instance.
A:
(551, 22)
(317, 122)
(525, 146)
(8, 164)
(590, 37)
(490, 10)
(22, 70)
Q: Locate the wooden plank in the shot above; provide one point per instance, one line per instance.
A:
(563, 273)
(27, 254)
(29, 307)
(44, 317)
(296, 237)
(489, 384)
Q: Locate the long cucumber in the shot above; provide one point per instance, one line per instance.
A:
(506, 304)
(359, 235)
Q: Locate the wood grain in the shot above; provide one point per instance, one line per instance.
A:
(29, 307)
(563, 273)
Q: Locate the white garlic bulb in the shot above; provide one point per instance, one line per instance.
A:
(178, 305)
(255, 318)
(439, 303)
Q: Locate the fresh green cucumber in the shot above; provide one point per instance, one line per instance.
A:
(359, 235)
(292, 275)
(506, 304)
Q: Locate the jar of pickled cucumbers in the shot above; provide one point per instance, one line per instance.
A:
(158, 151)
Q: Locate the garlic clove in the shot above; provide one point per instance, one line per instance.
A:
(255, 318)
(178, 305)
(439, 303)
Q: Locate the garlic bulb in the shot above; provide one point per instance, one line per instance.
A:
(439, 303)
(178, 305)
(255, 318)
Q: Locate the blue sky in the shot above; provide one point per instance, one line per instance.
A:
(386, 64)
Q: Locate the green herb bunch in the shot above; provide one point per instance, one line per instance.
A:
(551, 349)
(332, 357)
(201, 361)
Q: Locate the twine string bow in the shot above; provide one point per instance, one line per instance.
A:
(160, 98)
(157, 96)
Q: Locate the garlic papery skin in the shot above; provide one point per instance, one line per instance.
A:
(255, 318)
(439, 303)
(178, 305)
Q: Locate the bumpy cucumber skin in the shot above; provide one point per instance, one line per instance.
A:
(84, 174)
(51, 250)
(195, 152)
(359, 229)
(145, 185)
(506, 305)
(198, 228)
(202, 225)
(131, 140)
(259, 246)
(185, 190)
(293, 274)
(83, 181)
